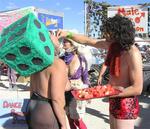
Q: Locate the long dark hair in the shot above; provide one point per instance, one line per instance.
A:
(121, 31)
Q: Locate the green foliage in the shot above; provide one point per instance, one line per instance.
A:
(95, 17)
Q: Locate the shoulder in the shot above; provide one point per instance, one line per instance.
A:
(59, 64)
(133, 56)
(133, 53)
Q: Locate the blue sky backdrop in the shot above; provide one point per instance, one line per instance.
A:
(73, 9)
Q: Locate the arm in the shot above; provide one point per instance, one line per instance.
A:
(56, 42)
(135, 75)
(58, 83)
(102, 71)
(68, 87)
(79, 38)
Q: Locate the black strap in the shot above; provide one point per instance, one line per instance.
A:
(37, 96)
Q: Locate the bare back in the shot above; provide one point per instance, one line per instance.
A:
(42, 82)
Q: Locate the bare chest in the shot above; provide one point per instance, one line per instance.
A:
(123, 78)
(73, 66)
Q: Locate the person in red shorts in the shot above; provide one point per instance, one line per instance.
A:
(125, 65)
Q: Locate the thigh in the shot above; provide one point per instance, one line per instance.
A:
(77, 109)
(124, 108)
(73, 109)
(124, 124)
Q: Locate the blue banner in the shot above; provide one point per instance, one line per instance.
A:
(12, 113)
(52, 22)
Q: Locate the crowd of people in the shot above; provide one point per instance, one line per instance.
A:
(52, 105)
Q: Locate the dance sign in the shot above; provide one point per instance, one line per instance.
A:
(8, 17)
(137, 14)
(12, 113)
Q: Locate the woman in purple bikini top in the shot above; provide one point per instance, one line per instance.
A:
(82, 70)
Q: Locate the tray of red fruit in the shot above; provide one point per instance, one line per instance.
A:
(95, 92)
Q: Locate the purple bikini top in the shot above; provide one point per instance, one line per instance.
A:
(81, 72)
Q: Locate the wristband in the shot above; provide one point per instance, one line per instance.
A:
(69, 35)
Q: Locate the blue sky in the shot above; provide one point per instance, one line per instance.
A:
(73, 9)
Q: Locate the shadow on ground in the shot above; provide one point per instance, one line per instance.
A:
(20, 87)
(97, 114)
(3, 86)
(23, 87)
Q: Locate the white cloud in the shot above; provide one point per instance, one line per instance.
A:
(11, 5)
(67, 8)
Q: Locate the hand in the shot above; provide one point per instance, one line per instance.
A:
(99, 81)
(61, 34)
(54, 40)
(118, 88)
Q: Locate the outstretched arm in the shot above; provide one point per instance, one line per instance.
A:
(82, 39)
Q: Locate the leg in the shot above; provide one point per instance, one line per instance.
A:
(123, 111)
(111, 121)
(13, 77)
(76, 123)
(77, 111)
(80, 124)
(9, 78)
(123, 123)
(71, 123)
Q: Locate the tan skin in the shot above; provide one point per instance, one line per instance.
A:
(102, 71)
(51, 83)
(130, 80)
(131, 64)
(75, 63)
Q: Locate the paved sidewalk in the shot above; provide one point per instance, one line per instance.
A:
(96, 112)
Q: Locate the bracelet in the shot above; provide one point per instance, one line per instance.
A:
(69, 35)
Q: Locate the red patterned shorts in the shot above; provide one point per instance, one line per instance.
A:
(124, 108)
